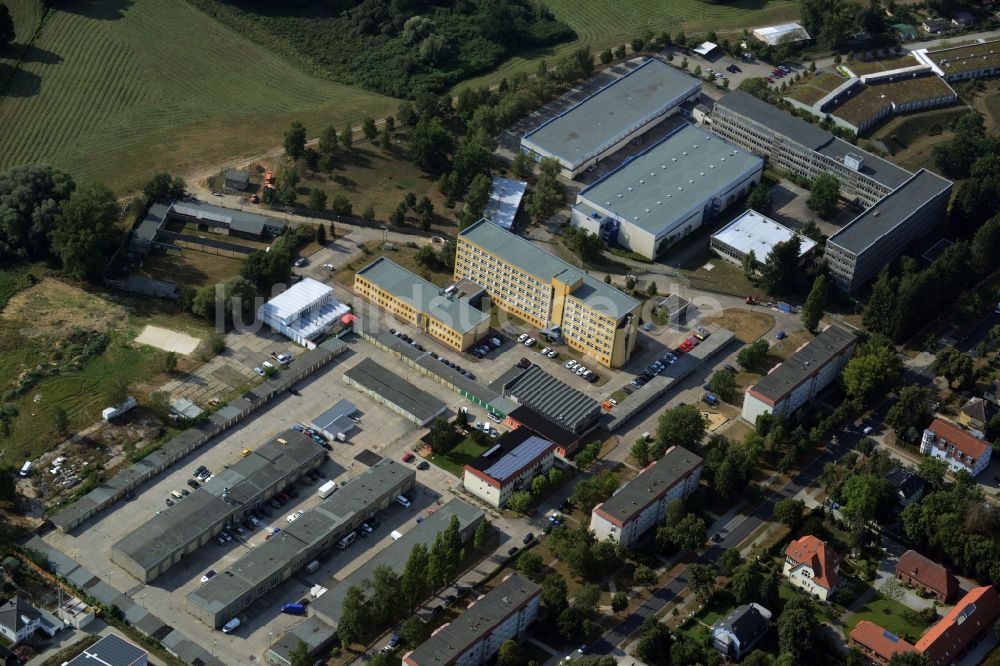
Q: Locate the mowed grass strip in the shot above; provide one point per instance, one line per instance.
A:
(115, 95)
(602, 24)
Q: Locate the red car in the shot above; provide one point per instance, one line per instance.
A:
(408, 456)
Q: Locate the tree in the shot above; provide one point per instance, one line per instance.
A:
(299, 655)
(442, 436)
(477, 196)
(554, 595)
(932, 470)
(520, 501)
(354, 617)
(815, 305)
(679, 426)
(30, 200)
(651, 288)
(796, 627)
(723, 383)
(508, 656)
(874, 367)
(482, 533)
(789, 511)
(548, 195)
(640, 452)
(824, 191)
(317, 199)
(328, 140)
(295, 140)
(341, 205)
(753, 354)
(954, 366)
(701, 578)
(759, 198)
(413, 630)
(782, 267)
(425, 212)
(911, 413)
(909, 659)
(117, 391)
(347, 136)
(321, 233)
(619, 602)
(385, 138)
(522, 166)
(60, 419)
(6, 27)
(730, 560)
(163, 186)
(689, 533)
(892, 590)
(606, 56)
(530, 564)
(586, 245)
(170, 362)
(369, 129)
(406, 114)
(86, 232)
(430, 144)
(413, 583)
(869, 497)
(590, 492)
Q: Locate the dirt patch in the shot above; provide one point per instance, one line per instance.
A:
(51, 307)
(167, 340)
(747, 325)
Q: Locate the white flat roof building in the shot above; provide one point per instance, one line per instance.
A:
(505, 201)
(784, 33)
(605, 121)
(753, 231)
(303, 312)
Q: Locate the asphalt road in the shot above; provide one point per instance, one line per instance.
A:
(978, 332)
(740, 529)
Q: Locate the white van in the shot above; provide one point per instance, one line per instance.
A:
(26, 468)
(230, 627)
(347, 540)
(403, 501)
(176, 494)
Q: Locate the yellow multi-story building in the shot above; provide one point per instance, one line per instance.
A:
(409, 297)
(592, 317)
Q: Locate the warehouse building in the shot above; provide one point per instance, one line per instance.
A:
(592, 317)
(607, 120)
(322, 626)
(790, 143)
(517, 458)
(667, 191)
(753, 232)
(474, 637)
(170, 536)
(441, 313)
(304, 312)
(958, 63)
(394, 392)
(813, 367)
(226, 220)
(338, 421)
(857, 252)
(642, 502)
(311, 536)
(551, 397)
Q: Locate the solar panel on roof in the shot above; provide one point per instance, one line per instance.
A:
(516, 459)
(891, 636)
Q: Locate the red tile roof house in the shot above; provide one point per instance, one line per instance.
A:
(915, 570)
(812, 566)
(971, 617)
(956, 446)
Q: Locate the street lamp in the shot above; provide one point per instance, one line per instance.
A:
(385, 233)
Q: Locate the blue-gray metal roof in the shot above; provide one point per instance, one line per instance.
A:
(543, 265)
(425, 297)
(554, 399)
(604, 118)
(112, 650)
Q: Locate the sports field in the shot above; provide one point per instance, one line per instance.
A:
(601, 24)
(114, 91)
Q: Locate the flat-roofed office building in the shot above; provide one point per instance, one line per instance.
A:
(591, 316)
(607, 120)
(666, 192)
(441, 313)
(807, 372)
(862, 247)
(227, 499)
(474, 637)
(314, 533)
(753, 232)
(642, 502)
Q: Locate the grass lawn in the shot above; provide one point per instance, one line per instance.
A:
(403, 255)
(889, 615)
(114, 92)
(190, 267)
(911, 138)
(601, 24)
(746, 324)
(370, 176)
(455, 460)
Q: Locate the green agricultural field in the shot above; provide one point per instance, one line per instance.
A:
(116, 91)
(601, 24)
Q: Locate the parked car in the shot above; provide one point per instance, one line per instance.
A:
(208, 575)
(423, 464)
(521, 338)
(193, 483)
(403, 501)
(408, 456)
(527, 538)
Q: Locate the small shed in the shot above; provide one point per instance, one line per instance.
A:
(906, 32)
(236, 181)
(705, 48)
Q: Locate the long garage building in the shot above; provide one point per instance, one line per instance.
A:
(165, 539)
(310, 536)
